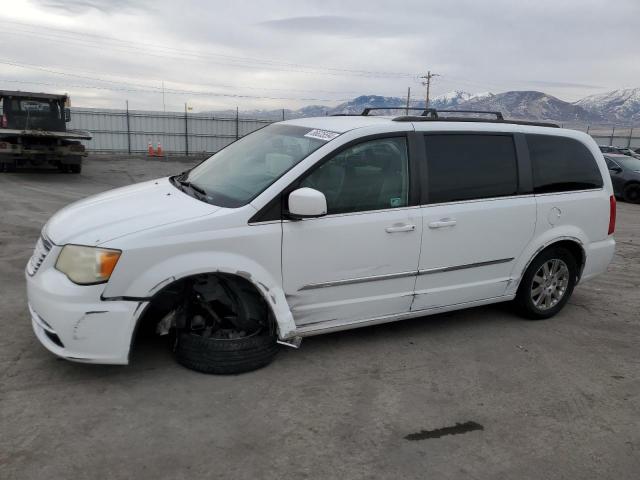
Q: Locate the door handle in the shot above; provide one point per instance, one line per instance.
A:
(407, 227)
(445, 222)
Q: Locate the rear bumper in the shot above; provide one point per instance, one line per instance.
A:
(72, 322)
(599, 256)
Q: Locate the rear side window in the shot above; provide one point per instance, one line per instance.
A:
(465, 167)
(562, 164)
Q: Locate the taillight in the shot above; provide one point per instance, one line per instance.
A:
(612, 215)
(4, 145)
(4, 121)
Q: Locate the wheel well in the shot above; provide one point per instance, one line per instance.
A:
(631, 182)
(173, 295)
(574, 248)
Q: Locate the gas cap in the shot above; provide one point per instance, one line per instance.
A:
(554, 215)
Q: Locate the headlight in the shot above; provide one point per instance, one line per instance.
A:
(87, 265)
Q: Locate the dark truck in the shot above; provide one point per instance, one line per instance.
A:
(33, 131)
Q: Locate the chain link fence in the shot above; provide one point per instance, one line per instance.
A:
(131, 131)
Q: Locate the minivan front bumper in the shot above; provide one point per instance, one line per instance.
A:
(73, 322)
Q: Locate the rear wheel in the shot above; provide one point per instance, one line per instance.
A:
(547, 284)
(76, 168)
(632, 193)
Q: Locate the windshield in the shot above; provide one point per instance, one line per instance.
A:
(629, 163)
(237, 174)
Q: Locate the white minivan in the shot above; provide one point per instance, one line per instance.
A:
(321, 224)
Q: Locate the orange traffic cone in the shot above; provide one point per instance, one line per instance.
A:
(159, 150)
(150, 151)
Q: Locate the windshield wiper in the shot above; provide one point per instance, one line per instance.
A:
(188, 184)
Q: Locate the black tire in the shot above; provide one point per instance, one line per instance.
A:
(632, 193)
(524, 301)
(75, 168)
(11, 167)
(225, 357)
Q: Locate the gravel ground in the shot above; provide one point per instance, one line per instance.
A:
(477, 394)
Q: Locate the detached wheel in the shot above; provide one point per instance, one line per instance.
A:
(226, 356)
(547, 284)
(632, 193)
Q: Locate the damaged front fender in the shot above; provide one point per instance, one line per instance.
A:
(148, 282)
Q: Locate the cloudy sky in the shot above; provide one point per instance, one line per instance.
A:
(290, 53)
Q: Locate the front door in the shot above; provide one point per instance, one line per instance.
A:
(360, 260)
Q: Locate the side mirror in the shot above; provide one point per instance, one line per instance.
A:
(615, 169)
(307, 203)
(67, 114)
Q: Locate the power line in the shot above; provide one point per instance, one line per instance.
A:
(167, 91)
(85, 74)
(91, 41)
(122, 86)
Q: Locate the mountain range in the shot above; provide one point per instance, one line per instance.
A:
(613, 108)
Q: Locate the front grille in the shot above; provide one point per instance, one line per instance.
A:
(42, 248)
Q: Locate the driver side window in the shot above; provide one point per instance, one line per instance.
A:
(372, 175)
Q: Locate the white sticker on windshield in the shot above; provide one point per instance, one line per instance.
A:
(325, 135)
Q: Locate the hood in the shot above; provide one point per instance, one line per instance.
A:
(123, 211)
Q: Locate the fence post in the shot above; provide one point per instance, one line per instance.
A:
(613, 131)
(237, 124)
(630, 137)
(128, 131)
(186, 131)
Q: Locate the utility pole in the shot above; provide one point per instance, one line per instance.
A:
(163, 105)
(186, 131)
(408, 99)
(128, 131)
(427, 83)
(237, 123)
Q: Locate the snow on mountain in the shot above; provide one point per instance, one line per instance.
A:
(531, 105)
(449, 99)
(619, 106)
(372, 101)
(616, 106)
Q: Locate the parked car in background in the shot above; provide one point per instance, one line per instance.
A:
(619, 150)
(629, 152)
(608, 149)
(625, 176)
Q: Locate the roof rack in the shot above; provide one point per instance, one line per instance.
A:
(367, 110)
(433, 114)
